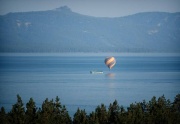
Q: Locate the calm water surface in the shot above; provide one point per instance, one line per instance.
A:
(134, 78)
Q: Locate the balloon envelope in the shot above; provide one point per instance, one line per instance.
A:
(110, 62)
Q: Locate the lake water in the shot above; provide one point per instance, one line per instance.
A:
(134, 78)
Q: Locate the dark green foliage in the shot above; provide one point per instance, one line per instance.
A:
(101, 114)
(17, 114)
(30, 112)
(3, 116)
(53, 112)
(176, 109)
(114, 111)
(176, 104)
(93, 118)
(47, 111)
(156, 111)
(61, 114)
(80, 117)
(159, 110)
(135, 114)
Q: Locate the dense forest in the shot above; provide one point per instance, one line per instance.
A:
(156, 111)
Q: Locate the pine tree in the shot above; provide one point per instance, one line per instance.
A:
(160, 111)
(47, 111)
(176, 103)
(3, 116)
(102, 114)
(135, 114)
(30, 112)
(114, 112)
(122, 117)
(93, 119)
(176, 109)
(80, 117)
(17, 113)
(60, 113)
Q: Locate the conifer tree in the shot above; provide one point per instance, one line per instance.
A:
(17, 113)
(80, 117)
(160, 111)
(114, 112)
(176, 109)
(47, 111)
(176, 103)
(65, 115)
(60, 113)
(30, 112)
(135, 114)
(3, 116)
(93, 118)
(122, 115)
(102, 114)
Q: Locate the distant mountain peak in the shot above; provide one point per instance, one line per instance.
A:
(62, 30)
(64, 9)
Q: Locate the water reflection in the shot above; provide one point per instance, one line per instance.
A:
(111, 75)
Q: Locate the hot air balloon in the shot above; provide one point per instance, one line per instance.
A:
(110, 62)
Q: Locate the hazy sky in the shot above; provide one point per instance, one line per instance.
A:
(101, 8)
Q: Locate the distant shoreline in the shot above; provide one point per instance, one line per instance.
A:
(89, 54)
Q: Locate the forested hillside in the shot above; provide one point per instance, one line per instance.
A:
(62, 30)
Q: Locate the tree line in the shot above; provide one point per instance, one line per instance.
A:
(156, 111)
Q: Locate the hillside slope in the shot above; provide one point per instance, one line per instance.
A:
(62, 30)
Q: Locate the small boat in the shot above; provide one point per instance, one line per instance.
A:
(96, 72)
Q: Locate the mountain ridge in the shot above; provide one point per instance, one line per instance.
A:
(62, 30)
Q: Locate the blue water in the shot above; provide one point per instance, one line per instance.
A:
(134, 78)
